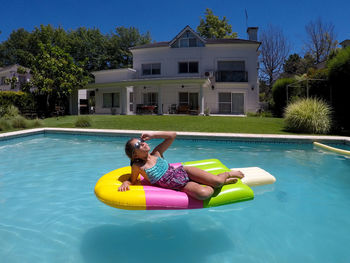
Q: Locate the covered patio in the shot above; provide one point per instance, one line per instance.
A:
(151, 96)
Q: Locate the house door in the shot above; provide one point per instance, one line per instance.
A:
(131, 101)
(237, 103)
(231, 103)
(193, 101)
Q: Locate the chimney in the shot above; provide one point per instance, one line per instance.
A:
(252, 33)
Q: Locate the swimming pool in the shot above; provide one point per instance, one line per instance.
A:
(49, 213)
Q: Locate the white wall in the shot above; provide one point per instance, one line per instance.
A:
(114, 75)
(208, 58)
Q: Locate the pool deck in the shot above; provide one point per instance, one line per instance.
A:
(184, 135)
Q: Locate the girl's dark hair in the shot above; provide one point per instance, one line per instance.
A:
(129, 151)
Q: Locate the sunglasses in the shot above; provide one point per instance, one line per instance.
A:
(137, 145)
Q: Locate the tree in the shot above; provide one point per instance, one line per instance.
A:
(320, 40)
(88, 47)
(119, 54)
(296, 65)
(212, 27)
(274, 50)
(55, 75)
(15, 50)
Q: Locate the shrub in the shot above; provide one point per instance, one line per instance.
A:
(36, 123)
(19, 122)
(3, 110)
(83, 122)
(309, 116)
(8, 111)
(5, 125)
(11, 112)
(279, 95)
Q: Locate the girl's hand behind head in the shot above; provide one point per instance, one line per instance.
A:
(146, 136)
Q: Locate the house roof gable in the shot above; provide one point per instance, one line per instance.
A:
(183, 31)
(210, 41)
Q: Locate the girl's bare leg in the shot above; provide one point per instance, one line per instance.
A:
(203, 177)
(198, 191)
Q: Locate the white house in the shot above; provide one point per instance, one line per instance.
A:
(188, 74)
(11, 72)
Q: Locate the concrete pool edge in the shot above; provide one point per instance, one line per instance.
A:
(185, 135)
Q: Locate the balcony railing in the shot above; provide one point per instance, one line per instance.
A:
(231, 76)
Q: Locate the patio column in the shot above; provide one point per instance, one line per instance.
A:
(160, 100)
(201, 100)
(123, 101)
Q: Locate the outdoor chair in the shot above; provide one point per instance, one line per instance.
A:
(172, 109)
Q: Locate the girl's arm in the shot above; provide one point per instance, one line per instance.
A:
(135, 171)
(168, 137)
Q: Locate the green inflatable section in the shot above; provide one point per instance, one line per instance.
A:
(228, 194)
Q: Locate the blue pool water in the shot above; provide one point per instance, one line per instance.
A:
(49, 213)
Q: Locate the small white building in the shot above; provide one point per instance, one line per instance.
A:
(21, 77)
(188, 74)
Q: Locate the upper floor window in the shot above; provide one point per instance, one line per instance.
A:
(231, 71)
(231, 66)
(188, 67)
(151, 69)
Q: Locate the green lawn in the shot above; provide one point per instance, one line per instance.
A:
(177, 123)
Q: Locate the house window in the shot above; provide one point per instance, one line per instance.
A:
(188, 40)
(188, 67)
(2, 81)
(150, 98)
(151, 69)
(111, 100)
(231, 71)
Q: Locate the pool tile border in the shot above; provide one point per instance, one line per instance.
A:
(184, 135)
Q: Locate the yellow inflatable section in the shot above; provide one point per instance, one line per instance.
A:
(106, 190)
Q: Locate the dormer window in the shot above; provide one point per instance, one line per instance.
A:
(187, 39)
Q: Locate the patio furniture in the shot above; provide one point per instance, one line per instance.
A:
(148, 109)
(59, 110)
(139, 108)
(183, 109)
(172, 109)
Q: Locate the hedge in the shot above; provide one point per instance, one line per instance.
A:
(21, 100)
(279, 95)
(339, 79)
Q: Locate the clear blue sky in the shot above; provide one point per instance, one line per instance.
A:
(164, 19)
